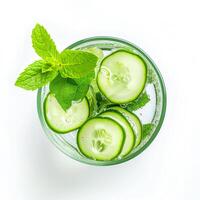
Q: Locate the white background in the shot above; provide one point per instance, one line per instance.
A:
(31, 168)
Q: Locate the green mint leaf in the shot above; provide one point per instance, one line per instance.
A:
(103, 105)
(83, 85)
(67, 90)
(76, 64)
(102, 102)
(99, 98)
(150, 76)
(32, 77)
(44, 45)
(63, 89)
(141, 101)
(146, 129)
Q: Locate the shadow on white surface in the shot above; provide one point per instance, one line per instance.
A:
(48, 173)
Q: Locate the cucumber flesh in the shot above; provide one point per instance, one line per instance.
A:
(62, 121)
(122, 76)
(129, 133)
(100, 139)
(134, 121)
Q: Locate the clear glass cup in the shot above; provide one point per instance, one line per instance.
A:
(67, 142)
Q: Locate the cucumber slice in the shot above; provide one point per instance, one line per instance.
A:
(129, 133)
(62, 121)
(134, 121)
(100, 139)
(122, 76)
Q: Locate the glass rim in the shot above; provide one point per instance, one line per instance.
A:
(163, 110)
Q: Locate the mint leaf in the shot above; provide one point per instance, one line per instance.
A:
(151, 76)
(63, 89)
(146, 129)
(102, 102)
(76, 64)
(141, 101)
(67, 90)
(83, 85)
(44, 45)
(32, 77)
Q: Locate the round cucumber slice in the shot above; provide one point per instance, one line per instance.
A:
(100, 139)
(62, 121)
(122, 76)
(134, 121)
(129, 133)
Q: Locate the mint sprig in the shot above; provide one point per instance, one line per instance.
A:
(75, 69)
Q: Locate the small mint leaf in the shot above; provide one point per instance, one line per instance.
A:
(43, 44)
(141, 101)
(32, 77)
(150, 76)
(63, 89)
(146, 129)
(67, 90)
(83, 85)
